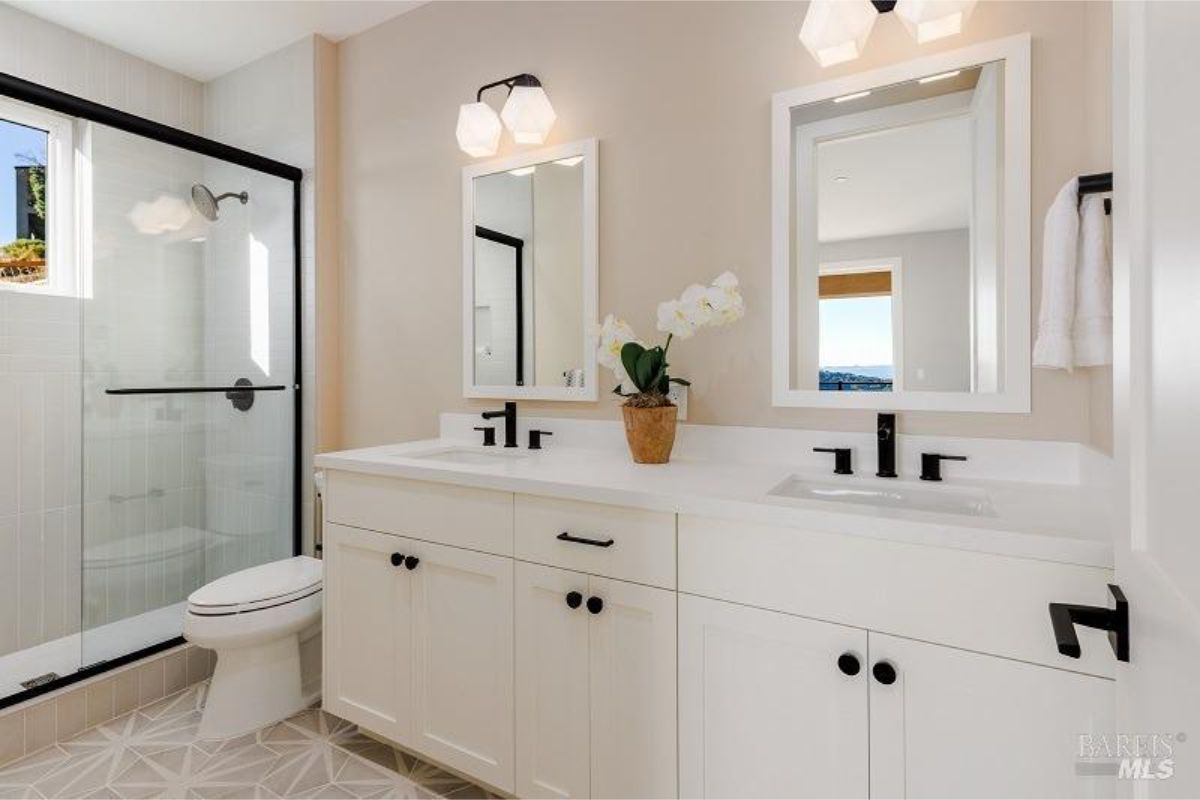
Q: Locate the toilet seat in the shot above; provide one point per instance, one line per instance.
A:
(258, 588)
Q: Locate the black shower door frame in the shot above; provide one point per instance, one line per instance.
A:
(63, 103)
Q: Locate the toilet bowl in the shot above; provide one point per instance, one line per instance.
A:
(253, 620)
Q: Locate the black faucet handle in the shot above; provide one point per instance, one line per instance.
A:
(489, 436)
(841, 459)
(931, 465)
(535, 438)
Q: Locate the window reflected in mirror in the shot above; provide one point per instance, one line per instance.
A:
(896, 236)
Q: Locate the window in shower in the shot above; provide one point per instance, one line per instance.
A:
(37, 234)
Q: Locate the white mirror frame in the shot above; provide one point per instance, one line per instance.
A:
(588, 392)
(1014, 396)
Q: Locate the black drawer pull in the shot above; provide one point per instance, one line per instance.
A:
(397, 559)
(574, 599)
(566, 537)
(411, 563)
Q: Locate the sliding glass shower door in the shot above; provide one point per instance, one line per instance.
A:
(189, 393)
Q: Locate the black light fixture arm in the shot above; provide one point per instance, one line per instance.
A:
(524, 79)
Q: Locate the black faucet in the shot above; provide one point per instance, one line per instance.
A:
(841, 459)
(931, 465)
(885, 430)
(510, 422)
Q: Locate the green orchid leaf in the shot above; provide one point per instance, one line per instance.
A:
(681, 381)
(647, 368)
(630, 353)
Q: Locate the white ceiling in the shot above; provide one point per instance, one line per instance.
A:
(204, 39)
(911, 179)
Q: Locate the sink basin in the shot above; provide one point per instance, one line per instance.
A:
(964, 500)
(468, 456)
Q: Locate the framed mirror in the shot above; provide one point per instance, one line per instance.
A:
(900, 275)
(530, 275)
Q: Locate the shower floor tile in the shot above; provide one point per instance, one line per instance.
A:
(154, 753)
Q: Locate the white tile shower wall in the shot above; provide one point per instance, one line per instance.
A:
(39, 468)
(143, 540)
(267, 106)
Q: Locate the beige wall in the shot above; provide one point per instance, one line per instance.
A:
(679, 95)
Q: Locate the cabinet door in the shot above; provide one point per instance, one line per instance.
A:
(367, 628)
(462, 660)
(764, 708)
(633, 682)
(961, 724)
(553, 726)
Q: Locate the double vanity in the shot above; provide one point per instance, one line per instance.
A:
(562, 622)
(748, 620)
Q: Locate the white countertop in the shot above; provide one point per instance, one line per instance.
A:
(1063, 523)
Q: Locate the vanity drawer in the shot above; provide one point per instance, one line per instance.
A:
(975, 601)
(478, 519)
(643, 542)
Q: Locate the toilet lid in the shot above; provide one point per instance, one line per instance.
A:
(267, 584)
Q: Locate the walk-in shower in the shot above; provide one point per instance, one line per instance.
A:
(152, 444)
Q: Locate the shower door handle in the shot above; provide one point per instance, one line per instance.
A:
(241, 394)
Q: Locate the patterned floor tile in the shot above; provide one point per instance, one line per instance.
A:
(154, 752)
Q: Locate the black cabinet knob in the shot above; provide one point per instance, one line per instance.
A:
(411, 562)
(848, 664)
(884, 672)
(397, 559)
(595, 605)
(574, 599)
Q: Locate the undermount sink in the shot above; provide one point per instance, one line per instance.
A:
(468, 456)
(963, 500)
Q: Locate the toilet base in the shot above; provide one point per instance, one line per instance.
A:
(253, 687)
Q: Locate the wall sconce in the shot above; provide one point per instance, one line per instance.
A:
(835, 31)
(527, 114)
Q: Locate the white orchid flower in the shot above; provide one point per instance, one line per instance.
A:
(725, 299)
(696, 307)
(614, 334)
(674, 321)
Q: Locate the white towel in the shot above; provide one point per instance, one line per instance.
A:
(1091, 333)
(1060, 240)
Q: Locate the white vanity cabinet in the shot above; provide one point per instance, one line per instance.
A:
(419, 647)
(596, 658)
(764, 709)
(961, 724)
(549, 647)
(917, 719)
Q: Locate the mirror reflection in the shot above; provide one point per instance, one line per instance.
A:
(897, 240)
(529, 275)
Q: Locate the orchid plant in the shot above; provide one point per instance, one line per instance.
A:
(641, 371)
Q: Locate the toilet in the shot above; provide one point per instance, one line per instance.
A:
(253, 620)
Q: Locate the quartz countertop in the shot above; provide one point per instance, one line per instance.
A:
(1052, 522)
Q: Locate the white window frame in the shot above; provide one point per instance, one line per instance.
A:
(61, 233)
(895, 266)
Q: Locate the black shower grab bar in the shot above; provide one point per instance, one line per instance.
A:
(196, 389)
(1098, 183)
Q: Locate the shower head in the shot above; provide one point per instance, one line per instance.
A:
(207, 203)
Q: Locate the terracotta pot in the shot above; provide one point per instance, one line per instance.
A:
(650, 433)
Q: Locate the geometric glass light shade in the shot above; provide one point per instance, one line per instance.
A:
(528, 114)
(927, 20)
(478, 130)
(835, 31)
